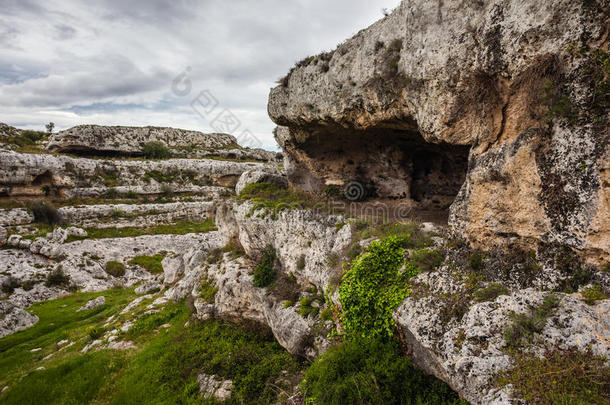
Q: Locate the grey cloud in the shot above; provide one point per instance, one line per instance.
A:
(109, 57)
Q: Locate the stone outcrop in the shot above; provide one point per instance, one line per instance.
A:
(498, 109)
(211, 387)
(39, 174)
(93, 304)
(94, 139)
(259, 176)
(467, 353)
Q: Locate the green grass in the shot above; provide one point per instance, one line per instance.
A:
(490, 293)
(272, 199)
(178, 228)
(208, 291)
(115, 269)
(161, 370)
(524, 326)
(151, 263)
(58, 321)
(366, 371)
(559, 378)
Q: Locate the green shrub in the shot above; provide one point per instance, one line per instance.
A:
(593, 294)
(156, 150)
(427, 259)
(264, 272)
(115, 269)
(524, 326)
(95, 333)
(208, 291)
(368, 371)
(475, 261)
(151, 263)
(490, 293)
(559, 378)
(57, 278)
(372, 288)
(288, 304)
(44, 212)
(10, 284)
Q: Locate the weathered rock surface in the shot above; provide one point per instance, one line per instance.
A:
(211, 387)
(468, 352)
(93, 304)
(296, 235)
(31, 174)
(522, 84)
(13, 319)
(259, 176)
(131, 140)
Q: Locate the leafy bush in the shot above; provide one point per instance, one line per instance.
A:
(264, 272)
(115, 269)
(372, 288)
(490, 293)
(301, 262)
(524, 326)
(369, 371)
(475, 261)
(57, 278)
(151, 263)
(156, 150)
(44, 212)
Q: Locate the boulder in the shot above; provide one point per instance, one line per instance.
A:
(14, 319)
(148, 287)
(259, 176)
(93, 304)
(494, 110)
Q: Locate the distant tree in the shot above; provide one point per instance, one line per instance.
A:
(50, 127)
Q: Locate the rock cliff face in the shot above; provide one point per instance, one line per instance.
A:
(131, 140)
(497, 109)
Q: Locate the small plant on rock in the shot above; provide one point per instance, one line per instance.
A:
(490, 293)
(44, 212)
(57, 278)
(593, 294)
(524, 326)
(264, 272)
(115, 269)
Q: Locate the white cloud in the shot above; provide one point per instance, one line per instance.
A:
(113, 61)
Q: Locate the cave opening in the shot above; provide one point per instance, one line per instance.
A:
(396, 165)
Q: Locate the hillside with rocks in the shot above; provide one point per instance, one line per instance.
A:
(434, 231)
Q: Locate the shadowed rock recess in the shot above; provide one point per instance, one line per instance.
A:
(497, 109)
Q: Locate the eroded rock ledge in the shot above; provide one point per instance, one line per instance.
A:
(500, 107)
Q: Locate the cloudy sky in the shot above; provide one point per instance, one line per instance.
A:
(144, 62)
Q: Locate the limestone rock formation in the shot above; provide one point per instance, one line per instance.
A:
(499, 109)
(93, 304)
(131, 140)
(258, 176)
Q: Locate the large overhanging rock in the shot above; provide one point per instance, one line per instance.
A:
(501, 107)
(95, 139)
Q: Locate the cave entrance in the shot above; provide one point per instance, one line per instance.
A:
(397, 165)
(44, 179)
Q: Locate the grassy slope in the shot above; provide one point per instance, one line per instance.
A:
(161, 370)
